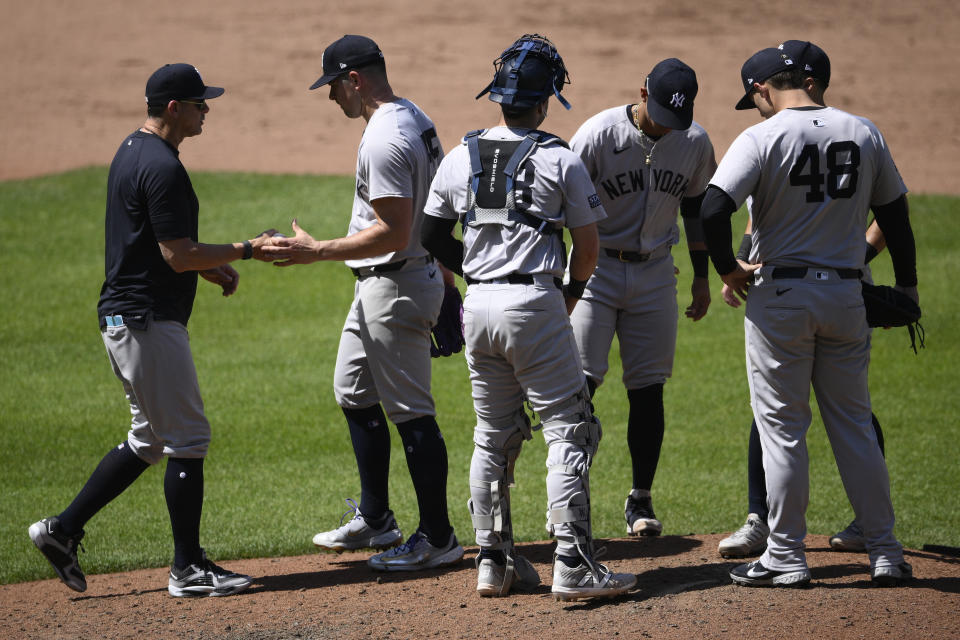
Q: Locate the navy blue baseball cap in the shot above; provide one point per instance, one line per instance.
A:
(671, 89)
(349, 52)
(760, 66)
(178, 82)
(813, 59)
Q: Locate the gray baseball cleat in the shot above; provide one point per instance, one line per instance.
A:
(495, 579)
(588, 580)
(417, 553)
(748, 540)
(358, 534)
(850, 539)
(60, 550)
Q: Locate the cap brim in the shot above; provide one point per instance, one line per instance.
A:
(212, 92)
(326, 78)
(746, 102)
(667, 118)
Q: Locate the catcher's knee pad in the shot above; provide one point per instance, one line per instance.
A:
(497, 446)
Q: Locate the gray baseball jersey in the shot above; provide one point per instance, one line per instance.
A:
(553, 185)
(636, 300)
(384, 353)
(519, 344)
(813, 173)
(398, 155)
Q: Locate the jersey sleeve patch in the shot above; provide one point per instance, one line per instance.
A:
(594, 201)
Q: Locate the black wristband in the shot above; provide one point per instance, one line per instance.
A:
(700, 260)
(575, 288)
(870, 254)
(743, 253)
(247, 250)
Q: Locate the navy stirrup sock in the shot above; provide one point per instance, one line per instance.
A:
(645, 433)
(117, 471)
(183, 489)
(427, 460)
(371, 447)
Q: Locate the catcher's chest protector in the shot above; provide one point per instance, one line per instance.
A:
(494, 165)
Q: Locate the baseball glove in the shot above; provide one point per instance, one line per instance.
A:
(448, 334)
(887, 307)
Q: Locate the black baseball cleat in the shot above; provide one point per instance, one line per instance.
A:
(641, 521)
(205, 579)
(60, 550)
(754, 574)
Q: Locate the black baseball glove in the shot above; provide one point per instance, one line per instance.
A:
(448, 334)
(887, 307)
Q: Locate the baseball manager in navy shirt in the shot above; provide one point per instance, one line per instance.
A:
(152, 262)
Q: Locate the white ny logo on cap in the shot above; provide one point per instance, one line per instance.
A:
(677, 100)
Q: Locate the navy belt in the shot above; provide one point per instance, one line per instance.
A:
(801, 272)
(627, 256)
(513, 278)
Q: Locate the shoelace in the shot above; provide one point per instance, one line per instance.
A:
(408, 546)
(354, 509)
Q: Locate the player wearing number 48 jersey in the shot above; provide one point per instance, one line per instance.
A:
(813, 172)
(646, 161)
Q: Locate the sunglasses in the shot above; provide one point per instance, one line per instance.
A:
(201, 104)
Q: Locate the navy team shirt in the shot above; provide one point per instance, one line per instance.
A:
(149, 198)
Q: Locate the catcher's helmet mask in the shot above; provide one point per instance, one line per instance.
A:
(527, 73)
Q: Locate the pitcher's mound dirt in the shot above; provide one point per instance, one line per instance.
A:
(683, 592)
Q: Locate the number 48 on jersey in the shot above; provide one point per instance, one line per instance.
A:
(842, 160)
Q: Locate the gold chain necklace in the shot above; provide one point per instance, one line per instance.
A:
(644, 138)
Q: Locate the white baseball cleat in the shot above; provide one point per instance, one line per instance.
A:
(495, 579)
(748, 540)
(891, 576)
(358, 534)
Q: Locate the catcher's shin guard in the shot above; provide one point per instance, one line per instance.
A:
(497, 446)
(572, 434)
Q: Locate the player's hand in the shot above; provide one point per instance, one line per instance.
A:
(225, 276)
(700, 290)
(260, 241)
(300, 249)
(730, 297)
(570, 302)
(740, 278)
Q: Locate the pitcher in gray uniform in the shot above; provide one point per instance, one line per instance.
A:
(646, 160)
(514, 188)
(813, 173)
(383, 364)
(751, 538)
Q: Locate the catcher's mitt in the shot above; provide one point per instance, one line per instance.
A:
(448, 334)
(887, 307)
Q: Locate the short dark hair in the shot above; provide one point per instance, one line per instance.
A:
(789, 79)
(378, 67)
(156, 110)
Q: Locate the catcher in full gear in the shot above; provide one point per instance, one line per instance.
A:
(514, 188)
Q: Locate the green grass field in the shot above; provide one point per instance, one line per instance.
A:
(281, 463)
